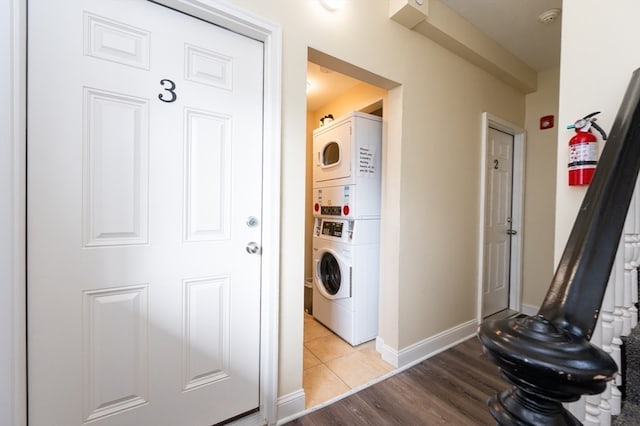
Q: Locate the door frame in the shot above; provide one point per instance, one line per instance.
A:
(519, 150)
(13, 99)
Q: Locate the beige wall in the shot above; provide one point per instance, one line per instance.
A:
(595, 69)
(439, 189)
(540, 190)
(431, 168)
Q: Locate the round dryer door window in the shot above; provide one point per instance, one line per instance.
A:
(330, 273)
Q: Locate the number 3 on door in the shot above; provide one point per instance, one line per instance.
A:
(171, 88)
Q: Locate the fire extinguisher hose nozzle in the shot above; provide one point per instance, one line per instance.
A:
(599, 129)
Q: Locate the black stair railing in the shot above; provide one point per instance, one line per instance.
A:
(548, 357)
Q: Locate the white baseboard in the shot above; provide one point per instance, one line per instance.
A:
(290, 406)
(529, 309)
(427, 348)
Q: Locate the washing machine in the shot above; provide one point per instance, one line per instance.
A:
(346, 277)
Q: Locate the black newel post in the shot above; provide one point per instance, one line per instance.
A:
(548, 357)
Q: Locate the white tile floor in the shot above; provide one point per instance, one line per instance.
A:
(333, 367)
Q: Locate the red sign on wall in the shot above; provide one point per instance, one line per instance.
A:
(546, 122)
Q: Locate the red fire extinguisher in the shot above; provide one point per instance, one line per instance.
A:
(583, 150)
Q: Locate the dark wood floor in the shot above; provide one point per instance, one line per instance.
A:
(450, 388)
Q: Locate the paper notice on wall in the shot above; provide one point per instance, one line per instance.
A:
(367, 161)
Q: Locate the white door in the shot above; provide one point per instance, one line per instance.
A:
(144, 158)
(498, 221)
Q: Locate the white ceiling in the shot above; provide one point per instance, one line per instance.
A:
(511, 23)
(514, 25)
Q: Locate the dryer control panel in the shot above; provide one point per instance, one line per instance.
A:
(346, 202)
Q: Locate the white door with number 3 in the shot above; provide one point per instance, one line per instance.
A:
(144, 195)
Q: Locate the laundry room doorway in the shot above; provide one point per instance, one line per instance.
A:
(334, 364)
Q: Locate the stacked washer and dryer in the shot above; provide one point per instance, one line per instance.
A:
(346, 237)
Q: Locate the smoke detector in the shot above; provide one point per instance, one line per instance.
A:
(549, 16)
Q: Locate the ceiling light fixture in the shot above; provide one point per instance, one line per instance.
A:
(332, 5)
(549, 16)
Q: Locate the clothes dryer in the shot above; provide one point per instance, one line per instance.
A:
(347, 167)
(345, 284)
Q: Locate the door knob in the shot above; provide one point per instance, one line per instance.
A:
(252, 248)
(511, 232)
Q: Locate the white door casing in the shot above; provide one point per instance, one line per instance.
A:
(119, 236)
(500, 240)
(12, 213)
